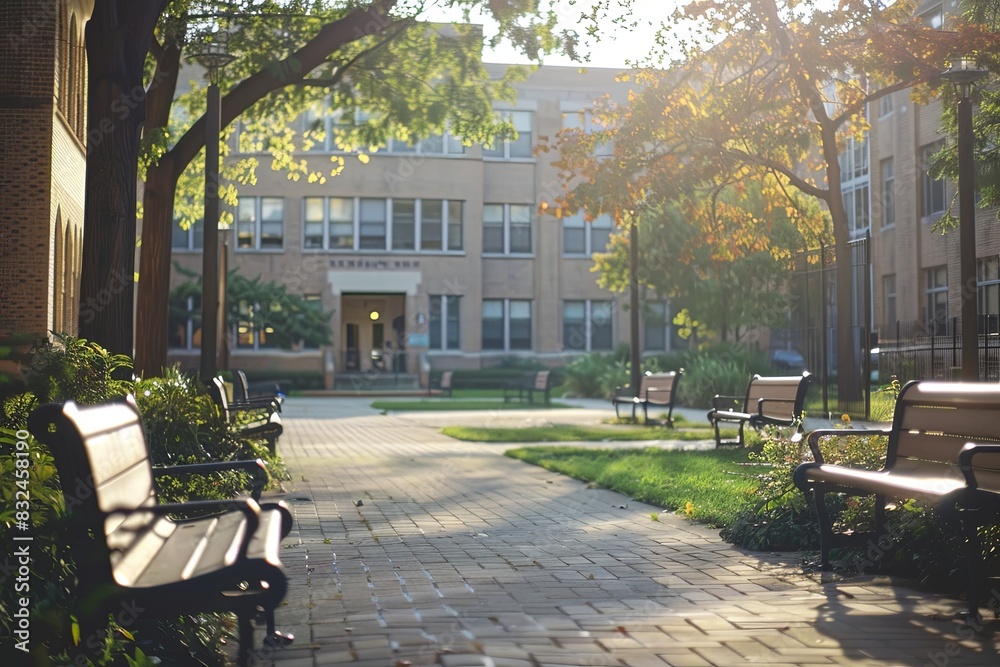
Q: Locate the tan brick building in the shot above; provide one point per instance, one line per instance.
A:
(43, 78)
(435, 252)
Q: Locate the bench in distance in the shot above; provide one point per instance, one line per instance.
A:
(769, 401)
(658, 389)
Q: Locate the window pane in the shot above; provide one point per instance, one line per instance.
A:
(452, 333)
(888, 193)
(178, 237)
(521, 146)
(435, 322)
(520, 325)
(313, 232)
(431, 211)
(246, 222)
(493, 325)
(600, 234)
(341, 213)
(600, 325)
(656, 326)
(372, 224)
(574, 240)
(432, 145)
(493, 228)
(454, 225)
(520, 228)
(574, 325)
(403, 224)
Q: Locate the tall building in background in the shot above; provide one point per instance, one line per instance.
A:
(434, 251)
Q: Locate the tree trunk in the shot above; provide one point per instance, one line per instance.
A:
(154, 269)
(158, 197)
(117, 36)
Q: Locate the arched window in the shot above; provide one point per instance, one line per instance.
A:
(72, 100)
(58, 275)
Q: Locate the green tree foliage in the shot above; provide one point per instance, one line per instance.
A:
(411, 78)
(289, 319)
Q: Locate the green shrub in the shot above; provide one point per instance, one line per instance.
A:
(720, 369)
(595, 375)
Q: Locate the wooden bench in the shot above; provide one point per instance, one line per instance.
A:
(264, 423)
(524, 387)
(769, 401)
(128, 548)
(271, 401)
(943, 451)
(445, 383)
(659, 389)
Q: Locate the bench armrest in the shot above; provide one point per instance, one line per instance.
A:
(965, 457)
(762, 401)
(257, 469)
(249, 507)
(256, 403)
(719, 401)
(814, 437)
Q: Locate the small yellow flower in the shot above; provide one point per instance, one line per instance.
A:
(689, 508)
(846, 418)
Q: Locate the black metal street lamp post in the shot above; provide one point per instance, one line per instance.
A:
(962, 74)
(213, 57)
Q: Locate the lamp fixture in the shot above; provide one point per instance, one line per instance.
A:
(962, 73)
(374, 315)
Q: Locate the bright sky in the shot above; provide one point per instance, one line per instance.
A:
(616, 45)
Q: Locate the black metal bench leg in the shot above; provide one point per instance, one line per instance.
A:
(973, 556)
(246, 649)
(825, 530)
(274, 638)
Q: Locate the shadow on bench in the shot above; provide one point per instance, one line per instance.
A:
(130, 549)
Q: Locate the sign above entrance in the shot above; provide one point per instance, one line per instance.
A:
(375, 263)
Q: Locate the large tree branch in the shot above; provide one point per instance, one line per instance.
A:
(793, 178)
(291, 70)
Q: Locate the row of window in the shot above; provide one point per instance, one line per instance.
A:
(395, 225)
(937, 315)
(506, 325)
(322, 132)
(933, 190)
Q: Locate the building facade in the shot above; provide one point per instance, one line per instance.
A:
(915, 269)
(434, 252)
(43, 84)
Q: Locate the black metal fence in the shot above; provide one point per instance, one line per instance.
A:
(910, 351)
(812, 327)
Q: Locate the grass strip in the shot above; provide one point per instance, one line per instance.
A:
(576, 433)
(709, 486)
(448, 404)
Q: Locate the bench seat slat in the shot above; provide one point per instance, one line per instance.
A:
(907, 486)
(971, 423)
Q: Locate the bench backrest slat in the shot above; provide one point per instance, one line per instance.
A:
(542, 380)
(658, 386)
(446, 380)
(934, 420)
(783, 394)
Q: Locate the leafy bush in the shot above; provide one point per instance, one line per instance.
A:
(721, 369)
(596, 375)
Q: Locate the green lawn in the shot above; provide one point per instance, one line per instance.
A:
(459, 404)
(711, 486)
(571, 432)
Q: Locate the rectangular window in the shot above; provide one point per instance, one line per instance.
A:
(431, 222)
(937, 301)
(933, 18)
(185, 323)
(885, 105)
(313, 224)
(444, 323)
(519, 147)
(506, 324)
(341, 216)
(934, 189)
(372, 224)
(507, 229)
(655, 325)
(888, 193)
(889, 291)
(192, 238)
(584, 121)
(988, 270)
(585, 237)
(260, 223)
(493, 223)
(494, 336)
(404, 217)
(587, 325)
(454, 224)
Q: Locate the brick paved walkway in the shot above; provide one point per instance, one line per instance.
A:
(410, 548)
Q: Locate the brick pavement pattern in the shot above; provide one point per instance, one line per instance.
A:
(411, 548)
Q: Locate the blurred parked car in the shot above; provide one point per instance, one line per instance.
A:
(788, 360)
